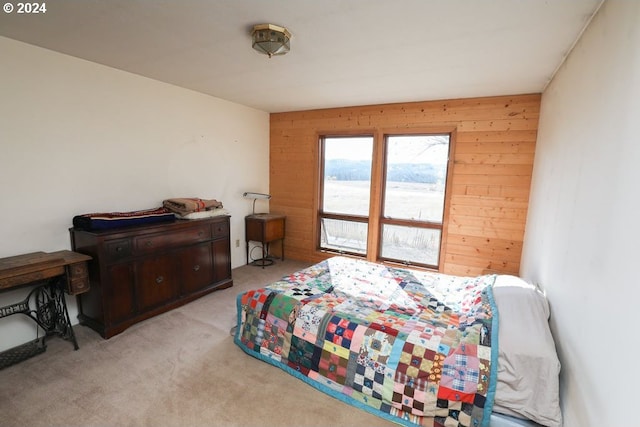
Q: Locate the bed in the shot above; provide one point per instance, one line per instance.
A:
(416, 348)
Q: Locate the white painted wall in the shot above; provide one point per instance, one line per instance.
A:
(77, 137)
(582, 240)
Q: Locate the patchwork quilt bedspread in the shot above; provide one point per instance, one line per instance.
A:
(416, 348)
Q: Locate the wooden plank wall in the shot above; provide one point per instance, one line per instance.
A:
(494, 143)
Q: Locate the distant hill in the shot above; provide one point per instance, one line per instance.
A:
(360, 170)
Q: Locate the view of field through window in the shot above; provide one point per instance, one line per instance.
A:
(347, 191)
(414, 189)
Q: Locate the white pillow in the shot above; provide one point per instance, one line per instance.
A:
(528, 365)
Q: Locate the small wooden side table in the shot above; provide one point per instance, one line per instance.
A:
(264, 228)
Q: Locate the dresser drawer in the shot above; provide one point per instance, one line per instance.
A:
(220, 229)
(118, 249)
(154, 242)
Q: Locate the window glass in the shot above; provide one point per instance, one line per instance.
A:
(416, 173)
(410, 244)
(347, 175)
(344, 236)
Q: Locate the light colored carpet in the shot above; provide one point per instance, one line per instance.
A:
(177, 369)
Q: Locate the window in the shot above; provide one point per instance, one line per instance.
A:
(413, 199)
(407, 206)
(346, 193)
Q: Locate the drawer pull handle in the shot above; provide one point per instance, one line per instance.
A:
(200, 233)
(196, 267)
(149, 243)
(159, 279)
(119, 249)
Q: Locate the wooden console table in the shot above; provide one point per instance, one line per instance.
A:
(54, 274)
(141, 271)
(264, 228)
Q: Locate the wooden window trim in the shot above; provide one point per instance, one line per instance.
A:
(320, 213)
(376, 220)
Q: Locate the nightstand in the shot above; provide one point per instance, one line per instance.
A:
(264, 228)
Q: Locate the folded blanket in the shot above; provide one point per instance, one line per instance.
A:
(108, 220)
(187, 205)
(203, 214)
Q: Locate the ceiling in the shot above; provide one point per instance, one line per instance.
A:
(343, 52)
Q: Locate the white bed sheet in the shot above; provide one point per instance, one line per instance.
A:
(500, 420)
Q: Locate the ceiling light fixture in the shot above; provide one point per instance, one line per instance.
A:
(270, 39)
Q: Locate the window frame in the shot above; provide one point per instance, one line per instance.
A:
(429, 225)
(376, 218)
(321, 214)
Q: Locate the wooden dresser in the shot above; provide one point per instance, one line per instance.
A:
(139, 272)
